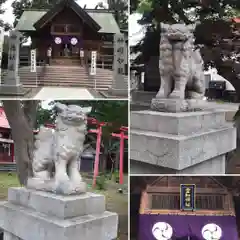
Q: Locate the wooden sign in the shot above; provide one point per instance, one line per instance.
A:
(93, 63)
(33, 61)
(187, 197)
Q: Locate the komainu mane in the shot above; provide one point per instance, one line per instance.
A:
(60, 149)
(181, 66)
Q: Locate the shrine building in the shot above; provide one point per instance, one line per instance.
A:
(71, 31)
(186, 208)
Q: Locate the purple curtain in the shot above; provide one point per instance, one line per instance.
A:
(186, 225)
(67, 40)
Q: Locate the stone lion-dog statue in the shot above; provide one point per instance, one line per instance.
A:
(57, 152)
(181, 65)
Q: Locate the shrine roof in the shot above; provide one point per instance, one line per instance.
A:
(105, 20)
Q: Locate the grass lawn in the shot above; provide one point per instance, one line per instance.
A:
(115, 201)
(7, 181)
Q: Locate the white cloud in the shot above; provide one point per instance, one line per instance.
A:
(9, 17)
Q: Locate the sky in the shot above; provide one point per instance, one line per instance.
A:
(136, 31)
(9, 17)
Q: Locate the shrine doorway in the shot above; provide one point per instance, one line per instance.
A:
(66, 50)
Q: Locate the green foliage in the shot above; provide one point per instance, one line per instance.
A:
(145, 6)
(116, 176)
(101, 182)
(18, 8)
(214, 34)
(44, 116)
(185, 9)
(120, 9)
(113, 112)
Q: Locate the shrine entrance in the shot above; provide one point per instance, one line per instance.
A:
(66, 50)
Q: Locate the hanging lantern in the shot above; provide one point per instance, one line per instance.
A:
(58, 40)
(74, 41)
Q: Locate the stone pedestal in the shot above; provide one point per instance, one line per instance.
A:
(177, 105)
(13, 90)
(119, 86)
(37, 215)
(186, 142)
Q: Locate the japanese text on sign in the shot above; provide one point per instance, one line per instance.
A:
(33, 60)
(93, 63)
(13, 52)
(119, 54)
(187, 196)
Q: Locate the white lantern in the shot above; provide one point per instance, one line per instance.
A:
(211, 231)
(162, 231)
(58, 40)
(74, 41)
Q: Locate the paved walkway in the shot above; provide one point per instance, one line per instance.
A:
(63, 93)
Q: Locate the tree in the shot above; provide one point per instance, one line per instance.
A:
(18, 9)
(120, 9)
(20, 5)
(215, 36)
(23, 115)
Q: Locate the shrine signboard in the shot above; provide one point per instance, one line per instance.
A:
(93, 63)
(1, 49)
(187, 197)
(33, 61)
(13, 58)
(119, 55)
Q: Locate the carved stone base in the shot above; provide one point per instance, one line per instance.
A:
(37, 215)
(118, 92)
(13, 90)
(177, 105)
(61, 188)
(186, 142)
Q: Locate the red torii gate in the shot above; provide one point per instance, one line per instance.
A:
(120, 135)
(98, 131)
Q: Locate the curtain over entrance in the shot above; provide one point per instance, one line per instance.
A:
(66, 46)
(186, 227)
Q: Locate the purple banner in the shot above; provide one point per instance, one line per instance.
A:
(173, 227)
(73, 40)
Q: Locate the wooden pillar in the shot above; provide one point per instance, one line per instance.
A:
(12, 151)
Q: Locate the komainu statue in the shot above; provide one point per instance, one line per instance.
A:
(181, 66)
(57, 152)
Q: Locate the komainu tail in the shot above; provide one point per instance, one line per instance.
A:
(43, 153)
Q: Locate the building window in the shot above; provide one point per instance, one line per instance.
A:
(65, 28)
(212, 202)
(172, 201)
(166, 202)
(72, 29)
(58, 28)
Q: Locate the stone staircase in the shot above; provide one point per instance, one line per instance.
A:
(65, 76)
(8, 167)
